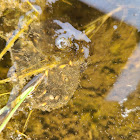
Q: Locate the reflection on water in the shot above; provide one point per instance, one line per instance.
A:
(88, 115)
(130, 13)
(128, 79)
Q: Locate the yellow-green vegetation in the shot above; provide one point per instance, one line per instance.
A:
(87, 115)
(93, 27)
(20, 100)
(28, 91)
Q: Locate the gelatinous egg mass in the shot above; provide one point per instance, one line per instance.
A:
(55, 48)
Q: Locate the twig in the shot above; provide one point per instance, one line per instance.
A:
(25, 125)
(10, 44)
(4, 93)
(91, 26)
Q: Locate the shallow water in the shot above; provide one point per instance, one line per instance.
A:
(106, 103)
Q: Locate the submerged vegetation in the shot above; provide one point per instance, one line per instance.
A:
(65, 60)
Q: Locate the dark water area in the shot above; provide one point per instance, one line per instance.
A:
(97, 66)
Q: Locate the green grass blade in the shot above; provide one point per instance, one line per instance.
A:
(18, 101)
(26, 93)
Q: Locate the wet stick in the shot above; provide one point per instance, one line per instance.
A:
(18, 132)
(5, 80)
(27, 120)
(11, 42)
(4, 93)
(67, 2)
(34, 72)
(89, 28)
(32, 6)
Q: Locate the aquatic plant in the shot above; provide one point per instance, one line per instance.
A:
(93, 27)
(28, 91)
(89, 29)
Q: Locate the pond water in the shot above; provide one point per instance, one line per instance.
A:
(90, 57)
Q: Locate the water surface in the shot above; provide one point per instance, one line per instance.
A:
(106, 103)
